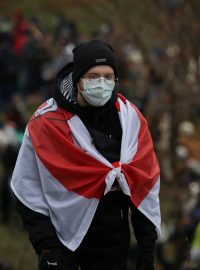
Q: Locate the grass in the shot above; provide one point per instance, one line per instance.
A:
(15, 249)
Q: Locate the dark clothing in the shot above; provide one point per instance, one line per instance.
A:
(66, 260)
(108, 238)
(107, 134)
(43, 237)
(98, 262)
(8, 68)
(9, 157)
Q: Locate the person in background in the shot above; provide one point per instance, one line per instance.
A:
(11, 136)
(8, 67)
(20, 32)
(85, 164)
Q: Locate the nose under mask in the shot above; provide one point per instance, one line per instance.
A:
(97, 91)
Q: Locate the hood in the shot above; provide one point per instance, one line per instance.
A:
(65, 84)
(65, 92)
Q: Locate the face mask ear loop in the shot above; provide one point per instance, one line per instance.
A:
(81, 92)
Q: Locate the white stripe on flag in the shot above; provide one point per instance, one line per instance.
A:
(71, 214)
(150, 206)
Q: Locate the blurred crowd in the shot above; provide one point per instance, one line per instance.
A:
(31, 56)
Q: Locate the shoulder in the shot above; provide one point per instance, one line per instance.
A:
(130, 104)
(48, 118)
(50, 109)
(48, 106)
(126, 101)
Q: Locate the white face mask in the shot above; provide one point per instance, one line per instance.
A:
(97, 91)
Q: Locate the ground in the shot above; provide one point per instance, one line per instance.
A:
(15, 249)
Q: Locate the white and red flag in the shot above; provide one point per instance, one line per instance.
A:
(60, 173)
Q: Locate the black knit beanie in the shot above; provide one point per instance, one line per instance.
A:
(92, 53)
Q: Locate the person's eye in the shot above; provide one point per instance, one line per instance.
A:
(92, 76)
(109, 77)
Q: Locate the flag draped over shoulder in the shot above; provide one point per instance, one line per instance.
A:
(60, 173)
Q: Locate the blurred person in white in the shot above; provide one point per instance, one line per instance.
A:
(87, 158)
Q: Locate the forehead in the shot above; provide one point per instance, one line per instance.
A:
(101, 69)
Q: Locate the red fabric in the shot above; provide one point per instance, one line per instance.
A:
(19, 32)
(71, 166)
(116, 164)
(81, 173)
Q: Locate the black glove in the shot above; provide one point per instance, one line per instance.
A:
(56, 260)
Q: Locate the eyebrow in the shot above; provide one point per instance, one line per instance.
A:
(97, 73)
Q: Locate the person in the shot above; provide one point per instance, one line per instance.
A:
(85, 166)
(11, 134)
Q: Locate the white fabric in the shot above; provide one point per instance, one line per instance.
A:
(130, 129)
(26, 178)
(150, 206)
(72, 214)
(129, 119)
(50, 106)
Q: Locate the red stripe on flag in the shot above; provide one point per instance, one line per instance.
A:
(76, 170)
(143, 171)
